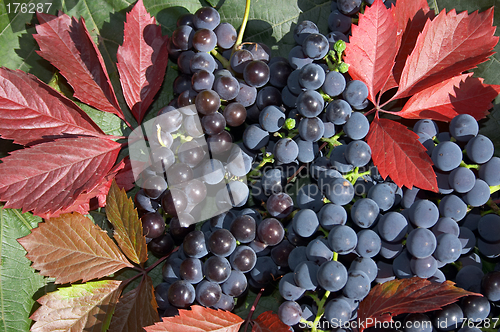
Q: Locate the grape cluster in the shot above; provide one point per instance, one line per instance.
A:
(314, 216)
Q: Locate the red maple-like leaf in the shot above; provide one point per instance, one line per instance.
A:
(401, 296)
(31, 111)
(269, 322)
(66, 44)
(410, 16)
(372, 48)
(457, 95)
(125, 176)
(49, 176)
(142, 60)
(397, 153)
(448, 45)
(198, 319)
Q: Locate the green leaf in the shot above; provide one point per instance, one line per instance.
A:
(268, 302)
(18, 280)
(489, 70)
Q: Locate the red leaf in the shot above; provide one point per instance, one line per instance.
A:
(449, 45)
(91, 199)
(401, 296)
(142, 60)
(30, 110)
(372, 48)
(125, 176)
(410, 16)
(269, 322)
(457, 95)
(198, 319)
(397, 152)
(66, 43)
(49, 176)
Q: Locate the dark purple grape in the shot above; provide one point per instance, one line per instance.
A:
(226, 35)
(279, 72)
(315, 46)
(182, 83)
(181, 294)
(208, 293)
(213, 123)
(243, 259)
(191, 270)
(204, 40)
(184, 62)
(259, 51)
(182, 37)
(162, 245)
(202, 80)
(174, 201)
(206, 18)
(227, 87)
(247, 94)
(239, 60)
(153, 225)
(207, 102)
(186, 98)
(279, 205)
(235, 114)
(196, 191)
(268, 96)
(186, 19)
(179, 173)
(304, 29)
(202, 61)
(154, 186)
(243, 228)
(217, 269)
(256, 73)
(220, 143)
(270, 231)
(191, 153)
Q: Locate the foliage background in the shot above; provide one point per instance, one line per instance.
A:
(270, 21)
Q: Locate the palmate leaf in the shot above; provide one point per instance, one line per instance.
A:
(397, 152)
(18, 281)
(449, 44)
(123, 216)
(71, 248)
(30, 110)
(401, 296)
(85, 307)
(142, 60)
(66, 43)
(461, 94)
(49, 176)
(136, 309)
(198, 319)
(372, 48)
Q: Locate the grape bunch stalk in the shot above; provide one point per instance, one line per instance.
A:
(313, 218)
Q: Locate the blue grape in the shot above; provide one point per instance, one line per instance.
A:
(339, 191)
(202, 61)
(311, 76)
(265, 270)
(489, 172)
(208, 293)
(385, 272)
(480, 149)
(310, 103)
(426, 126)
(462, 179)
(421, 242)
(488, 227)
(338, 312)
(467, 238)
(401, 265)
(365, 264)
(427, 142)
(181, 294)
(357, 126)
(369, 243)
(342, 239)
(490, 286)
(339, 22)
(334, 85)
(286, 150)
(206, 18)
(182, 38)
(204, 40)
(490, 250)
(357, 286)
(317, 251)
(424, 267)
(297, 256)
(235, 285)
(279, 73)
(305, 275)
(226, 35)
(417, 322)
(338, 159)
(271, 118)
(331, 215)
(446, 156)
(289, 99)
(383, 194)
(355, 92)
(364, 212)
(446, 225)
(305, 223)
(293, 84)
(349, 7)
(463, 127)
(255, 138)
(424, 213)
(290, 312)
(311, 129)
(297, 58)
(478, 195)
(476, 308)
(448, 249)
(304, 29)
(288, 289)
(332, 276)
(453, 207)
(448, 318)
(392, 227)
(334, 37)
(358, 153)
(307, 150)
(315, 46)
(310, 197)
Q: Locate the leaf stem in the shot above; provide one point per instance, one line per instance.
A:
(252, 309)
(243, 26)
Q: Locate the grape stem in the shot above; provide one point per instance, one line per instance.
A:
(252, 309)
(321, 310)
(219, 57)
(243, 27)
(353, 176)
